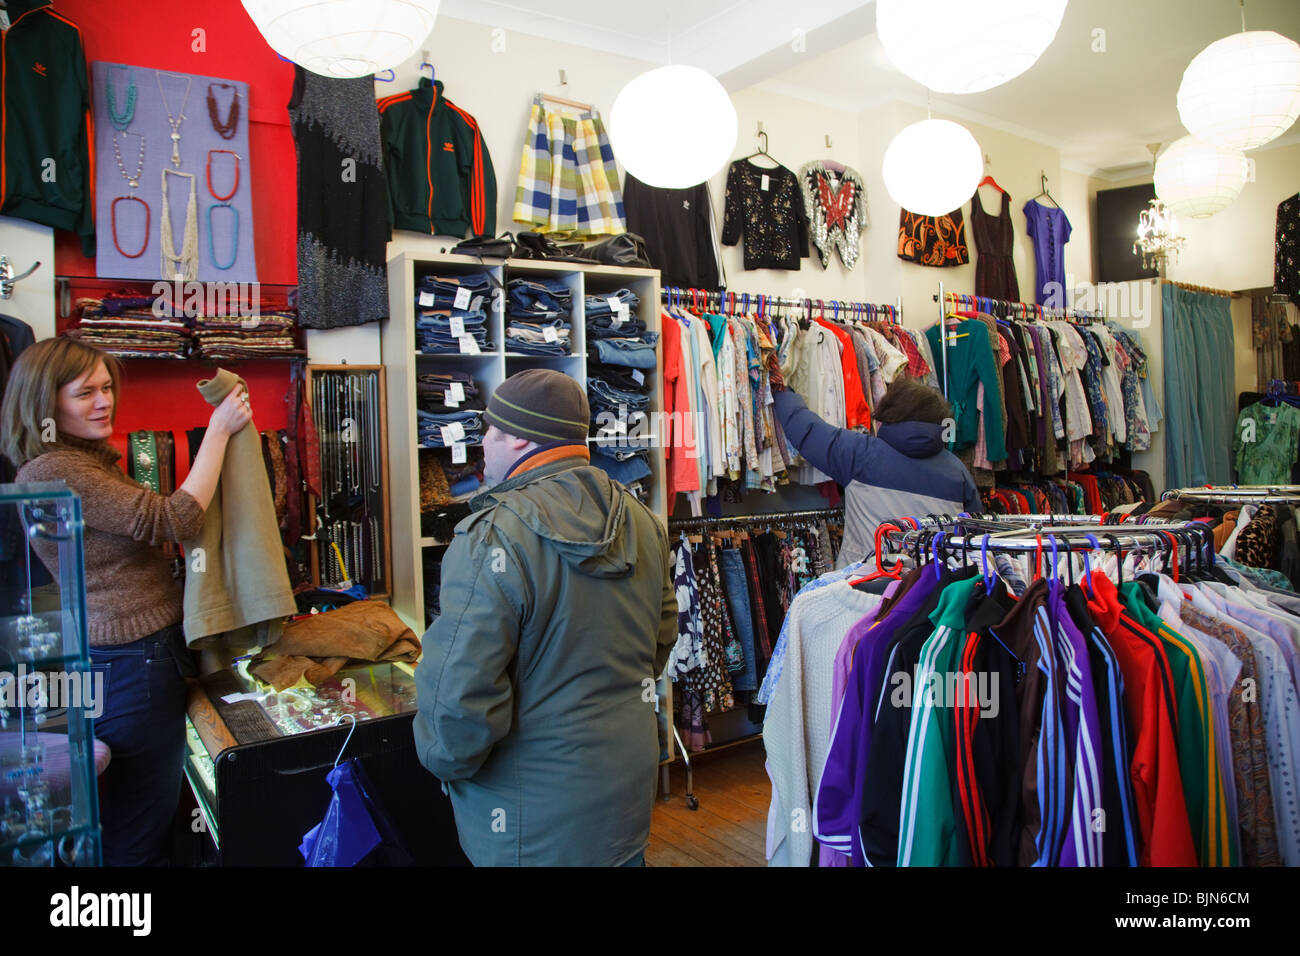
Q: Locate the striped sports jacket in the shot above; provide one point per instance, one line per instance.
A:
(440, 176)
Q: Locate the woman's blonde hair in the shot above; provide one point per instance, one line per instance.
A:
(31, 399)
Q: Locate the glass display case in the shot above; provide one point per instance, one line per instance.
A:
(258, 759)
(49, 695)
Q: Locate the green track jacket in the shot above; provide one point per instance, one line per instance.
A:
(47, 164)
(440, 176)
(536, 690)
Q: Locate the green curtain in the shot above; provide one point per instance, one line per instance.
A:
(1199, 395)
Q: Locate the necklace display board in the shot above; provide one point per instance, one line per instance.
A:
(161, 138)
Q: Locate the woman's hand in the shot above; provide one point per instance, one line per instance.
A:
(233, 413)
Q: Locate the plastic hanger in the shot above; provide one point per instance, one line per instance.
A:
(990, 181)
(762, 149)
(1046, 193)
(881, 571)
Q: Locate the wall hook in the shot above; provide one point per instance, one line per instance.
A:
(8, 278)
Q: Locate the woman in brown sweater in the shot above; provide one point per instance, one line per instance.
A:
(57, 416)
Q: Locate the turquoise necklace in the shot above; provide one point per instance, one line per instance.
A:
(123, 119)
(234, 242)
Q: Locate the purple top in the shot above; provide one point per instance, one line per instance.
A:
(837, 809)
(1050, 230)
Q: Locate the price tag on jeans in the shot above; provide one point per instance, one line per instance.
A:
(457, 326)
(458, 454)
(469, 345)
(638, 376)
(455, 393)
(447, 437)
(462, 298)
(613, 303)
(622, 314)
(426, 299)
(766, 182)
(450, 401)
(549, 333)
(457, 431)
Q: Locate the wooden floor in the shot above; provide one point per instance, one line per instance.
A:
(730, 827)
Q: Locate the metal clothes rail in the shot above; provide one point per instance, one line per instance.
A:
(730, 303)
(773, 517)
(1237, 494)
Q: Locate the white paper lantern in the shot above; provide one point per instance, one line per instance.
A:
(1243, 90)
(344, 38)
(673, 127)
(1198, 179)
(956, 46)
(932, 167)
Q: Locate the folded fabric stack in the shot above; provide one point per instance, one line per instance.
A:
(537, 317)
(447, 391)
(450, 311)
(626, 461)
(443, 483)
(246, 336)
(127, 327)
(443, 429)
(613, 316)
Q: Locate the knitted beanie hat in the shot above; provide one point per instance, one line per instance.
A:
(541, 405)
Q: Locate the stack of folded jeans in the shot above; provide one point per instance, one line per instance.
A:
(625, 462)
(442, 303)
(431, 427)
(538, 313)
(605, 320)
(438, 392)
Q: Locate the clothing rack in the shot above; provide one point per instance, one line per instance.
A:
(775, 517)
(1237, 494)
(1202, 288)
(722, 301)
(1027, 311)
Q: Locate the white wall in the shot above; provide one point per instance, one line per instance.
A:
(33, 299)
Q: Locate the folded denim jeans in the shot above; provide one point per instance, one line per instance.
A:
(600, 391)
(625, 471)
(606, 328)
(599, 305)
(619, 376)
(634, 353)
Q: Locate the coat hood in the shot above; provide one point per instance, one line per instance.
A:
(577, 510)
(913, 439)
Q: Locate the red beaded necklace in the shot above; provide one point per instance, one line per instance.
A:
(147, 220)
(234, 189)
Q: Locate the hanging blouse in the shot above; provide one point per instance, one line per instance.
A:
(932, 240)
(1049, 227)
(767, 206)
(836, 203)
(1286, 263)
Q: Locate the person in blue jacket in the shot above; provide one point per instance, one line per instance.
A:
(903, 469)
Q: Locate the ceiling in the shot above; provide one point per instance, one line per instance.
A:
(1099, 108)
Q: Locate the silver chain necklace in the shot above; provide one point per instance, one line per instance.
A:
(174, 123)
(132, 181)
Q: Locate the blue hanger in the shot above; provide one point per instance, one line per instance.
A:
(386, 79)
(990, 579)
(1087, 567)
(938, 566)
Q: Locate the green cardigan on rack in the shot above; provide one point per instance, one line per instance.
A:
(970, 362)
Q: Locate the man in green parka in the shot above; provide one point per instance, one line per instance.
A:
(537, 686)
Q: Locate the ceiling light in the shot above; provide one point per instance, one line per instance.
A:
(932, 167)
(1243, 90)
(653, 113)
(344, 38)
(1198, 179)
(956, 46)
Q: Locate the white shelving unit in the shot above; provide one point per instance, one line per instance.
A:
(411, 258)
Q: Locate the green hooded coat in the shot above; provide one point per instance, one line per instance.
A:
(536, 690)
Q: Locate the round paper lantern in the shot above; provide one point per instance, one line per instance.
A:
(932, 167)
(956, 46)
(344, 38)
(653, 113)
(1243, 90)
(1198, 179)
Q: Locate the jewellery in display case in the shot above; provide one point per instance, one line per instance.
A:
(173, 121)
(227, 129)
(123, 119)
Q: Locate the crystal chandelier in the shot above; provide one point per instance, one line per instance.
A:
(1157, 235)
(1157, 229)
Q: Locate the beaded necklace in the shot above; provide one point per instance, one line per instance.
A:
(227, 129)
(123, 119)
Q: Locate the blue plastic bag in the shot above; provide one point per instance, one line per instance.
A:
(355, 825)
